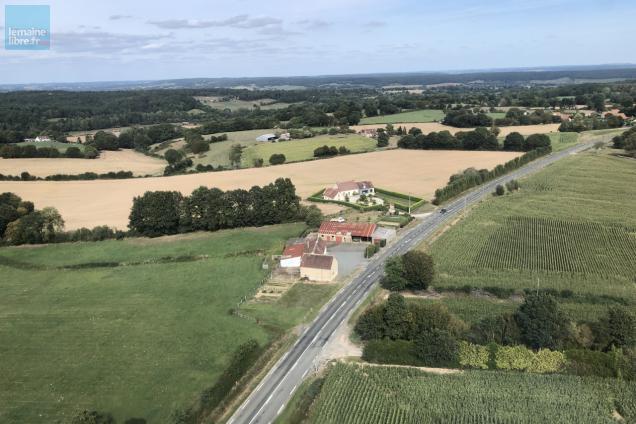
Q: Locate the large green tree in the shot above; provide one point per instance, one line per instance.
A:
(418, 269)
(156, 213)
(541, 322)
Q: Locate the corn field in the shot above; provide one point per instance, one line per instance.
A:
(544, 244)
(355, 394)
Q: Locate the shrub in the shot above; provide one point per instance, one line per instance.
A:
(541, 322)
(418, 269)
(517, 358)
(500, 190)
(437, 348)
(172, 156)
(614, 363)
(473, 356)
(371, 250)
(277, 159)
(547, 361)
(385, 351)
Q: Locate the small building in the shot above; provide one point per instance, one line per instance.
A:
(267, 137)
(346, 232)
(293, 253)
(38, 139)
(318, 267)
(284, 137)
(349, 190)
(369, 132)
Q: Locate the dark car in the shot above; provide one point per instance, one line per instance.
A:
(443, 210)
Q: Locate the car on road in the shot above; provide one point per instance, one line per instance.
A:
(443, 210)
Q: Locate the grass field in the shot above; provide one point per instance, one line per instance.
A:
(59, 146)
(136, 327)
(496, 115)
(424, 115)
(354, 394)
(570, 227)
(300, 150)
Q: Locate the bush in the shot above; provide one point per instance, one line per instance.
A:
(172, 156)
(547, 361)
(371, 250)
(437, 348)
(500, 190)
(473, 356)
(418, 269)
(541, 322)
(614, 363)
(325, 151)
(277, 159)
(517, 358)
(385, 351)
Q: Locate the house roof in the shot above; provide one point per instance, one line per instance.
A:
(332, 191)
(357, 229)
(294, 251)
(316, 261)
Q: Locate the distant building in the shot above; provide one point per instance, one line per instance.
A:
(369, 132)
(318, 267)
(284, 137)
(38, 139)
(346, 232)
(267, 137)
(349, 190)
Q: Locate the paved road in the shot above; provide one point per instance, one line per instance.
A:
(272, 394)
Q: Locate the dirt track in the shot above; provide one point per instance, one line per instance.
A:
(122, 160)
(107, 202)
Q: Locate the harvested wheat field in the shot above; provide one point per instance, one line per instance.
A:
(122, 160)
(108, 202)
(428, 127)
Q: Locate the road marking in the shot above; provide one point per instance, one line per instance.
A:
(305, 373)
(293, 388)
(279, 409)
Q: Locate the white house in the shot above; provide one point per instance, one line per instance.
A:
(293, 253)
(350, 190)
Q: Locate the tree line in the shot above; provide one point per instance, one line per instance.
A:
(16, 151)
(159, 213)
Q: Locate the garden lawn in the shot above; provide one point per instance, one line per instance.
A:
(137, 328)
(423, 115)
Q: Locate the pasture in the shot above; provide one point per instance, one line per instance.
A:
(423, 115)
(108, 202)
(55, 144)
(137, 327)
(570, 227)
(121, 160)
(303, 149)
(354, 394)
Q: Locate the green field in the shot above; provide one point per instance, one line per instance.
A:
(424, 115)
(235, 104)
(570, 227)
(299, 150)
(137, 327)
(563, 140)
(496, 115)
(56, 144)
(353, 394)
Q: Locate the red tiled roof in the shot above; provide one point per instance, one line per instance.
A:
(315, 245)
(294, 251)
(330, 192)
(316, 261)
(347, 186)
(357, 229)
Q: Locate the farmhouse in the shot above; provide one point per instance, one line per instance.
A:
(318, 267)
(293, 253)
(38, 139)
(346, 232)
(347, 191)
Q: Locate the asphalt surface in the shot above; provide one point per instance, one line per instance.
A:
(269, 398)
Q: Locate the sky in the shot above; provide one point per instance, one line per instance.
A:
(151, 39)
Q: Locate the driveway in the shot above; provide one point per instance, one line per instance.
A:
(349, 256)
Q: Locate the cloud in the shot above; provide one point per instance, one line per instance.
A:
(238, 21)
(100, 42)
(119, 17)
(313, 24)
(374, 24)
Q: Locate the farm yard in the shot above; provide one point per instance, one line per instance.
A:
(122, 160)
(354, 394)
(119, 321)
(424, 115)
(108, 202)
(569, 228)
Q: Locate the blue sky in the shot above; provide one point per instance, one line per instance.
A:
(146, 39)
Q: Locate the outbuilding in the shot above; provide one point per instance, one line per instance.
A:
(318, 267)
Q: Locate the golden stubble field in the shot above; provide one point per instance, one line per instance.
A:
(108, 202)
(428, 127)
(122, 160)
